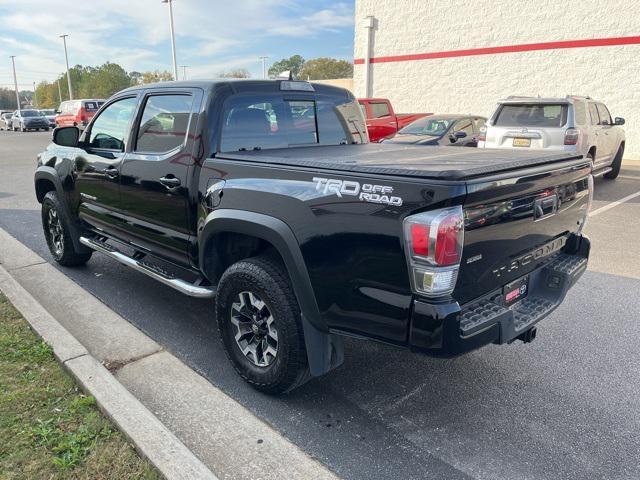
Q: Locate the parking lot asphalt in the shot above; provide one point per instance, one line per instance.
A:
(566, 406)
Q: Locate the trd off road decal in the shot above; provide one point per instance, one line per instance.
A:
(366, 192)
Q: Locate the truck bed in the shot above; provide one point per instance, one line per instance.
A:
(440, 163)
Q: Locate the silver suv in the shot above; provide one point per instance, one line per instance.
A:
(574, 124)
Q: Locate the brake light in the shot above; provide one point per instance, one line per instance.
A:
(434, 248)
(571, 136)
(482, 136)
(82, 114)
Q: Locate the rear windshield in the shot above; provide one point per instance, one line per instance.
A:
(532, 115)
(258, 122)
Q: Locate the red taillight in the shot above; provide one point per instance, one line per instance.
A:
(447, 248)
(571, 136)
(482, 136)
(82, 114)
(434, 242)
(420, 239)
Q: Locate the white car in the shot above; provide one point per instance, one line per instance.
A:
(575, 124)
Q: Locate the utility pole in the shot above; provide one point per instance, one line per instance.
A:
(66, 59)
(59, 91)
(184, 71)
(369, 27)
(173, 39)
(15, 80)
(264, 66)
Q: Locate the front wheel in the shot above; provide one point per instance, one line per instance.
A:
(259, 322)
(57, 233)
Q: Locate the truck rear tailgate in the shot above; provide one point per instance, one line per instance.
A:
(516, 222)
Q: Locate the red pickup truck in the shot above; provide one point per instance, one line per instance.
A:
(382, 121)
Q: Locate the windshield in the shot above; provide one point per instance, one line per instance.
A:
(257, 122)
(30, 113)
(532, 115)
(432, 126)
(48, 112)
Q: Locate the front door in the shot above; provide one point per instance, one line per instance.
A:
(98, 162)
(607, 135)
(154, 176)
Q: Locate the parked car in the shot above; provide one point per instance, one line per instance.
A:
(30, 119)
(304, 234)
(571, 124)
(5, 121)
(77, 113)
(50, 115)
(382, 121)
(445, 130)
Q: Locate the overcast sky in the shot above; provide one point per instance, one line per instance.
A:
(211, 36)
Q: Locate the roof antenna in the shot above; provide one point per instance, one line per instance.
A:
(286, 75)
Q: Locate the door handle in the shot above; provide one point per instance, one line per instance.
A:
(111, 172)
(170, 181)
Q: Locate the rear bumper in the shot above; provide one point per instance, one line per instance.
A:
(448, 329)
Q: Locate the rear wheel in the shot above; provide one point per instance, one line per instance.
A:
(58, 234)
(616, 165)
(259, 322)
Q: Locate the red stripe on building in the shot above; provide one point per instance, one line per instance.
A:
(525, 47)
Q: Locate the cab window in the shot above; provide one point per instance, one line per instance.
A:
(164, 123)
(593, 114)
(258, 122)
(110, 128)
(379, 109)
(605, 116)
(463, 125)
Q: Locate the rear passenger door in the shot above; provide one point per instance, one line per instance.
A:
(381, 123)
(154, 178)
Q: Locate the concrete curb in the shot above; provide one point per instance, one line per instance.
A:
(150, 437)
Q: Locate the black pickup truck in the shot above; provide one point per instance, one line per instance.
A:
(266, 196)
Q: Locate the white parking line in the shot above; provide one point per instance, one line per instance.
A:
(611, 205)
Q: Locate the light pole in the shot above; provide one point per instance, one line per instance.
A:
(35, 99)
(15, 80)
(66, 59)
(264, 66)
(184, 71)
(173, 39)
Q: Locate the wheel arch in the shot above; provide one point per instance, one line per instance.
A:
(46, 180)
(324, 350)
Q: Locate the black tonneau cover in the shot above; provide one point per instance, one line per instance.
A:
(442, 163)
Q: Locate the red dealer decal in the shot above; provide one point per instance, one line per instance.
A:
(525, 47)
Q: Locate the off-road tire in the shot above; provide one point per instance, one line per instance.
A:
(266, 277)
(67, 255)
(616, 165)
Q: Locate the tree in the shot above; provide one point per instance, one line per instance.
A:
(325, 68)
(136, 78)
(156, 76)
(294, 64)
(237, 73)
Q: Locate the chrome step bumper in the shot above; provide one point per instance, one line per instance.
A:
(150, 270)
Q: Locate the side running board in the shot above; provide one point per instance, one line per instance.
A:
(155, 272)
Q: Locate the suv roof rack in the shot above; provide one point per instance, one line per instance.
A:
(586, 97)
(521, 96)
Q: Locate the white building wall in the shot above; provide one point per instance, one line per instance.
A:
(472, 84)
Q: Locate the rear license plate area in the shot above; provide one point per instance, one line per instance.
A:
(516, 290)
(521, 142)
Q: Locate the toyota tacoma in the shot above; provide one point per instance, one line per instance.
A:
(267, 197)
